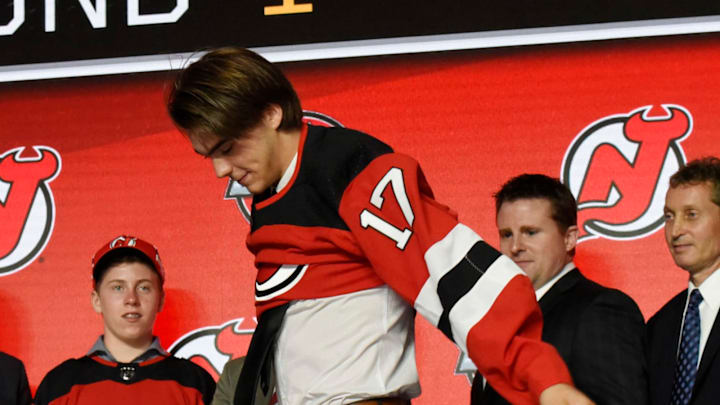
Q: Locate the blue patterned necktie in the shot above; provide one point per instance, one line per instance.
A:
(687, 360)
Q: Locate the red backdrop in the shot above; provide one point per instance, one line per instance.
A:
(473, 119)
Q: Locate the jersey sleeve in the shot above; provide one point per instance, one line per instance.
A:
(477, 297)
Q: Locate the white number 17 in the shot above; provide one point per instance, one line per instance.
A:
(401, 236)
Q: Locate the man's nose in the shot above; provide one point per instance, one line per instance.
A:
(517, 245)
(677, 227)
(222, 167)
(131, 297)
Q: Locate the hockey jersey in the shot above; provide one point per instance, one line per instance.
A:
(92, 380)
(356, 215)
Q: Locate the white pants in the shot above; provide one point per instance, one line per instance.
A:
(348, 348)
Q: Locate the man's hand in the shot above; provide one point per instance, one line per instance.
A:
(563, 394)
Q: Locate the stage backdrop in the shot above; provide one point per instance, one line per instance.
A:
(83, 160)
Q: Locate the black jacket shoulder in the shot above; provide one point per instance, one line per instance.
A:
(14, 388)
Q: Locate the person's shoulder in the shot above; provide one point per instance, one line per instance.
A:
(234, 365)
(332, 157)
(598, 297)
(581, 290)
(69, 367)
(604, 294)
(188, 374)
(187, 367)
(8, 361)
(343, 143)
(339, 134)
(671, 306)
(60, 379)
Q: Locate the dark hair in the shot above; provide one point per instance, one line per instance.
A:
(227, 91)
(703, 170)
(562, 202)
(121, 256)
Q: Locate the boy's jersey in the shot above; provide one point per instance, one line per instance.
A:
(92, 381)
(356, 215)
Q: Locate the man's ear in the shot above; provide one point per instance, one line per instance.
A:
(95, 301)
(571, 237)
(273, 116)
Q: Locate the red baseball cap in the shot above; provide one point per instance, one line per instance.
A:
(131, 242)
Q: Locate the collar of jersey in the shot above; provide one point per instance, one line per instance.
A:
(288, 186)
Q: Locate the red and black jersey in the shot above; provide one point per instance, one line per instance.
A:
(356, 215)
(92, 381)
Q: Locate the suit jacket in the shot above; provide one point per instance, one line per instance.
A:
(663, 337)
(600, 333)
(225, 389)
(14, 389)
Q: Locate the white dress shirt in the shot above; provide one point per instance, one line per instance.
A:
(710, 291)
(547, 286)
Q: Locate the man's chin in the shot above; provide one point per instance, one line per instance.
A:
(683, 262)
(524, 266)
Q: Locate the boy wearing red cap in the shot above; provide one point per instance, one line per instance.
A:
(127, 363)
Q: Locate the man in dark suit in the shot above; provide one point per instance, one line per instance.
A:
(14, 388)
(598, 331)
(684, 335)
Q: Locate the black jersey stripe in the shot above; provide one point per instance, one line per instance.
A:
(458, 281)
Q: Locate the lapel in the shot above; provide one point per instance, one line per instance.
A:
(710, 351)
(664, 337)
(554, 295)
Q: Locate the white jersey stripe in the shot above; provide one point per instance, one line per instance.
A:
(472, 307)
(446, 253)
(428, 303)
(442, 257)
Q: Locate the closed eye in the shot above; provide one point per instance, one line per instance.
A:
(227, 148)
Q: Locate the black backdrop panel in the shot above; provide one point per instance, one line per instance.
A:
(208, 23)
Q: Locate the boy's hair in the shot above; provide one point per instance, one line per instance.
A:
(227, 91)
(703, 170)
(562, 202)
(126, 249)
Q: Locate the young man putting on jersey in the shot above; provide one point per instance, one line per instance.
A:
(348, 240)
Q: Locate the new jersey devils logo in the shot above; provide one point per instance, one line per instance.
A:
(211, 347)
(242, 196)
(618, 170)
(27, 208)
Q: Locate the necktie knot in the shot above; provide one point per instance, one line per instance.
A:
(695, 299)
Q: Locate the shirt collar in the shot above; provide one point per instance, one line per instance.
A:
(154, 350)
(710, 289)
(542, 290)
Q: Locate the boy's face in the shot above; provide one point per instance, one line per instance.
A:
(252, 159)
(129, 297)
